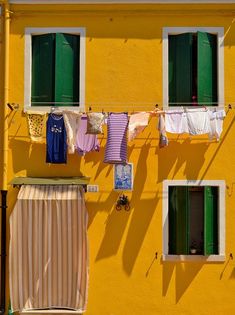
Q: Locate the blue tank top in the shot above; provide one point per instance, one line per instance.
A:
(56, 140)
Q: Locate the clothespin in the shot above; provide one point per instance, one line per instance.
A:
(53, 109)
(156, 111)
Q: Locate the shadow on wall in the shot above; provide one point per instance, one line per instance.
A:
(179, 153)
(140, 217)
(32, 159)
(97, 158)
(232, 275)
(142, 213)
(184, 275)
(115, 226)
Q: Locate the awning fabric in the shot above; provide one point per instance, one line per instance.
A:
(81, 180)
(48, 256)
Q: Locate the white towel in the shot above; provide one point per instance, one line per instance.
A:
(198, 121)
(176, 121)
(216, 123)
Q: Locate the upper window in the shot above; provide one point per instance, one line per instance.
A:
(195, 216)
(193, 67)
(54, 67)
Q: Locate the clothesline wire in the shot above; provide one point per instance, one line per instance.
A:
(107, 107)
(156, 110)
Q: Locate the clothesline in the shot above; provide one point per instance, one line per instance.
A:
(73, 131)
(120, 106)
(155, 111)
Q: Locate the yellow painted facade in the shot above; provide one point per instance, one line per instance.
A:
(124, 58)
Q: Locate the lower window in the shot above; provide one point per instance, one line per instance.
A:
(193, 218)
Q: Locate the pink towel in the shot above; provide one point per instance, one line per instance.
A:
(137, 124)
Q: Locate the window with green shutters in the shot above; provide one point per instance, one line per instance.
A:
(193, 220)
(192, 69)
(55, 69)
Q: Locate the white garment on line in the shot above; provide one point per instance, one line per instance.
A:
(198, 121)
(163, 140)
(176, 121)
(71, 121)
(216, 123)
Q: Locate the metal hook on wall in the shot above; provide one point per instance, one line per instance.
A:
(123, 201)
(13, 106)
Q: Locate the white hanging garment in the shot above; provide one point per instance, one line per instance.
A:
(176, 121)
(163, 140)
(216, 123)
(71, 122)
(198, 121)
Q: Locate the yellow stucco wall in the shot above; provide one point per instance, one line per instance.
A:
(124, 66)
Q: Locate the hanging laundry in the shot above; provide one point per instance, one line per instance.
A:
(116, 146)
(198, 121)
(95, 122)
(137, 124)
(85, 142)
(56, 140)
(163, 140)
(71, 121)
(176, 121)
(216, 123)
(35, 125)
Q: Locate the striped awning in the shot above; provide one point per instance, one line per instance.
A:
(48, 256)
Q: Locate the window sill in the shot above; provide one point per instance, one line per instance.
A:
(196, 258)
(48, 109)
(178, 107)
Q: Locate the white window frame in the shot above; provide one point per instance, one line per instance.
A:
(29, 32)
(221, 220)
(219, 31)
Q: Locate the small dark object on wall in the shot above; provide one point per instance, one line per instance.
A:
(123, 202)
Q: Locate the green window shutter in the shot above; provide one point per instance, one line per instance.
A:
(210, 220)
(178, 220)
(207, 68)
(180, 68)
(42, 69)
(67, 69)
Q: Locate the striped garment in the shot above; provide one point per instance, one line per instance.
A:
(116, 146)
